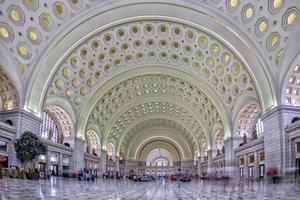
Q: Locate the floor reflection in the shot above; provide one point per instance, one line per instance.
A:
(60, 188)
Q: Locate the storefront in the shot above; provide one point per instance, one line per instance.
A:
(54, 164)
(3, 154)
(42, 163)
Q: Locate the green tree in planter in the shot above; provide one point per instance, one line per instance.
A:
(28, 147)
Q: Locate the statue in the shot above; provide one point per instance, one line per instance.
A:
(254, 134)
(50, 134)
(244, 138)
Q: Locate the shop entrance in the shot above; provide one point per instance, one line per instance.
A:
(42, 167)
(3, 162)
(54, 170)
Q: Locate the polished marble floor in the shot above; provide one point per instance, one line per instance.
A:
(60, 188)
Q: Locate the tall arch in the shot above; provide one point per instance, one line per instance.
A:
(63, 120)
(111, 151)
(93, 141)
(147, 148)
(242, 47)
(246, 119)
(160, 154)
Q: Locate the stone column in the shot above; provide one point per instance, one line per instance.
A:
(229, 157)
(48, 163)
(117, 164)
(292, 153)
(210, 163)
(78, 154)
(12, 156)
(103, 162)
(246, 168)
(60, 159)
(199, 166)
(256, 165)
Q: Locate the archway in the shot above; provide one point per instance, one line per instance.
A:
(93, 143)
(159, 158)
(9, 98)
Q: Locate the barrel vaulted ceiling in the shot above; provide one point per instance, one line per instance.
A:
(163, 55)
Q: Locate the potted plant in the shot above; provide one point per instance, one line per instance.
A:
(28, 147)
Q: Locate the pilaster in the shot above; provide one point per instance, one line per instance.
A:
(275, 137)
(103, 162)
(117, 164)
(78, 154)
(210, 163)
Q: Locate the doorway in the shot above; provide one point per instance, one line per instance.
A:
(54, 170)
(261, 171)
(298, 167)
(3, 162)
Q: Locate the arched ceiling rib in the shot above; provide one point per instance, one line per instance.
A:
(270, 22)
(78, 33)
(145, 42)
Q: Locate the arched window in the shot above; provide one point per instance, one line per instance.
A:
(93, 142)
(48, 128)
(218, 143)
(259, 127)
(111, 151)
(246, 120)
(159, 157)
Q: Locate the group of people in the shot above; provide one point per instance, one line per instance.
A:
(86, 175)
(16, 172)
